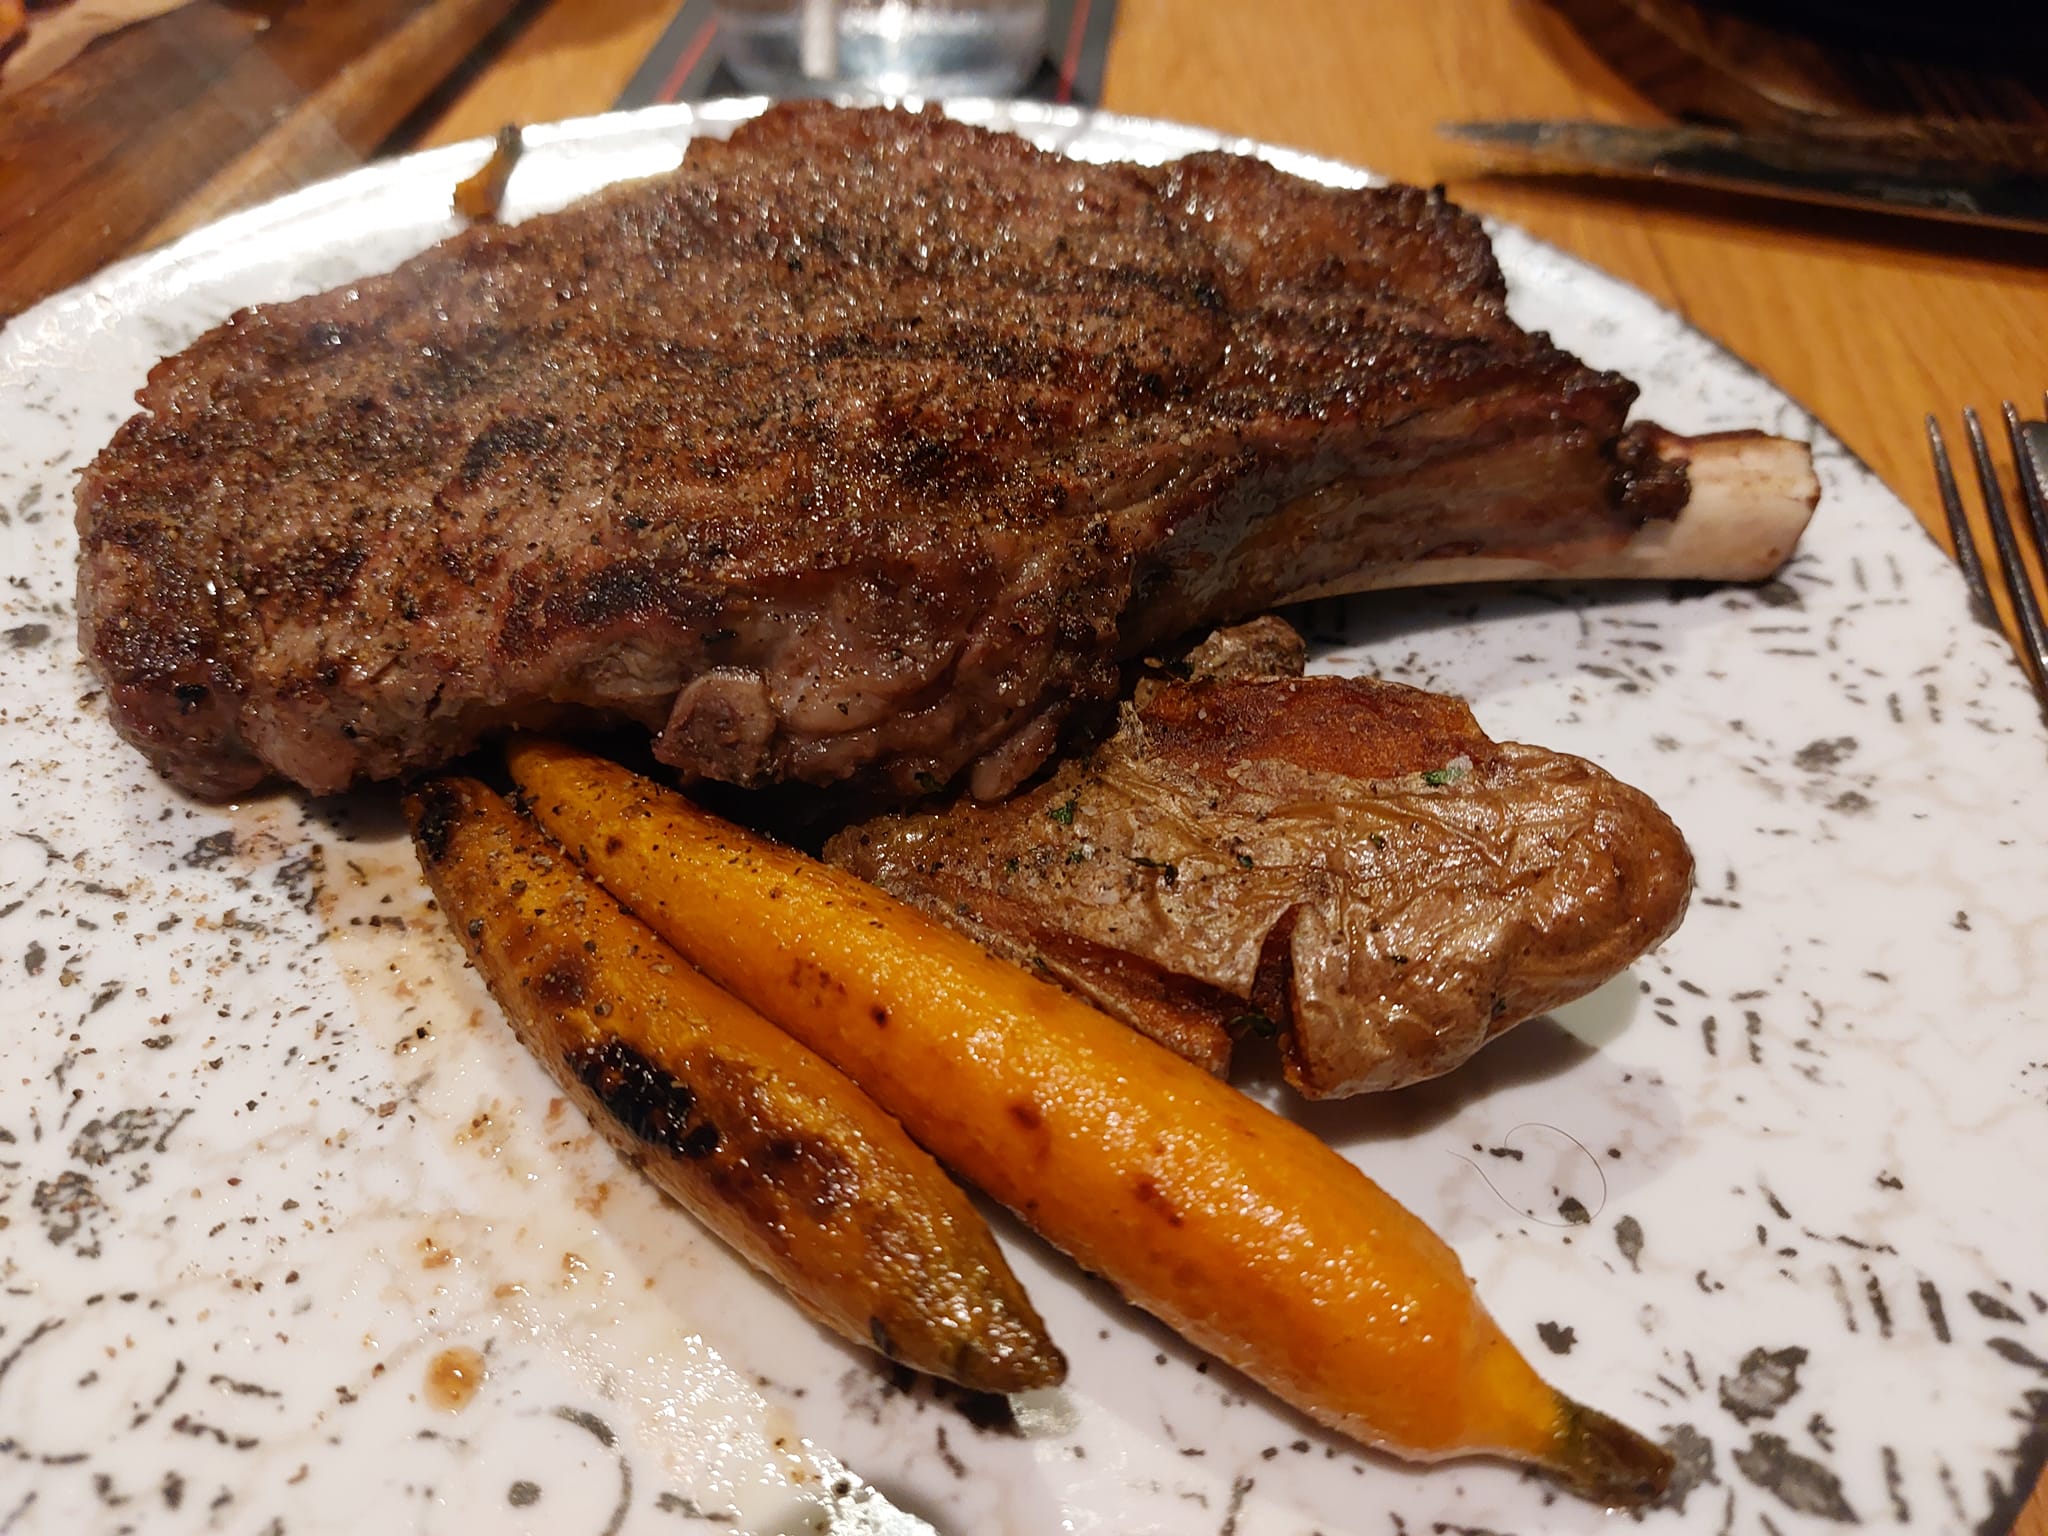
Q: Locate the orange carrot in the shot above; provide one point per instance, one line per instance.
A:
(766, 1144)
(1236, 1227)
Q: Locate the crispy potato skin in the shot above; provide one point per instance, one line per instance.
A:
(1287, 846)
(1238, 1228)
(768, 1145)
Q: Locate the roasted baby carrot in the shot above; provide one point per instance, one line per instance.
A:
(1238, 1228)
(769, 1146)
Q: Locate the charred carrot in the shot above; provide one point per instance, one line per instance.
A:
(1234, 1226)
(769, 1146)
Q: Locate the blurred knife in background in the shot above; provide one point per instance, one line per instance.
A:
(1878, 171)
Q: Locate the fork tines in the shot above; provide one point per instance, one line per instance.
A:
(2007, 532)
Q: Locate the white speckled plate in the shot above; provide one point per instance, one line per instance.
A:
(269, 1163)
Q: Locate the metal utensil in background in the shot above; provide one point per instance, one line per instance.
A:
(2010, 531)
(1842, 171)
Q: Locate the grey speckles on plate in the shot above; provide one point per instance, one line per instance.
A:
(266, 1151)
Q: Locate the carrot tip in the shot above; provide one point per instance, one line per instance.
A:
(1025, 1363)
(1604, 1460)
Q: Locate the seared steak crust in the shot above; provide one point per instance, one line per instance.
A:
(865, 443)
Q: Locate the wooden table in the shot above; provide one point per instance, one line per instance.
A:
(1869, 322)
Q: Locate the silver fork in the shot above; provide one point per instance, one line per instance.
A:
(2029, 440)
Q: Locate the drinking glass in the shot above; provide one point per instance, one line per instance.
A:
(929, 48)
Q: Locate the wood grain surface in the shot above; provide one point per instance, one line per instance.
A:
(1868, 321)
(347, 116)
(179, 119)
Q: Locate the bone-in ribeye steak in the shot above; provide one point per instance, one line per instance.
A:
(866, 443)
